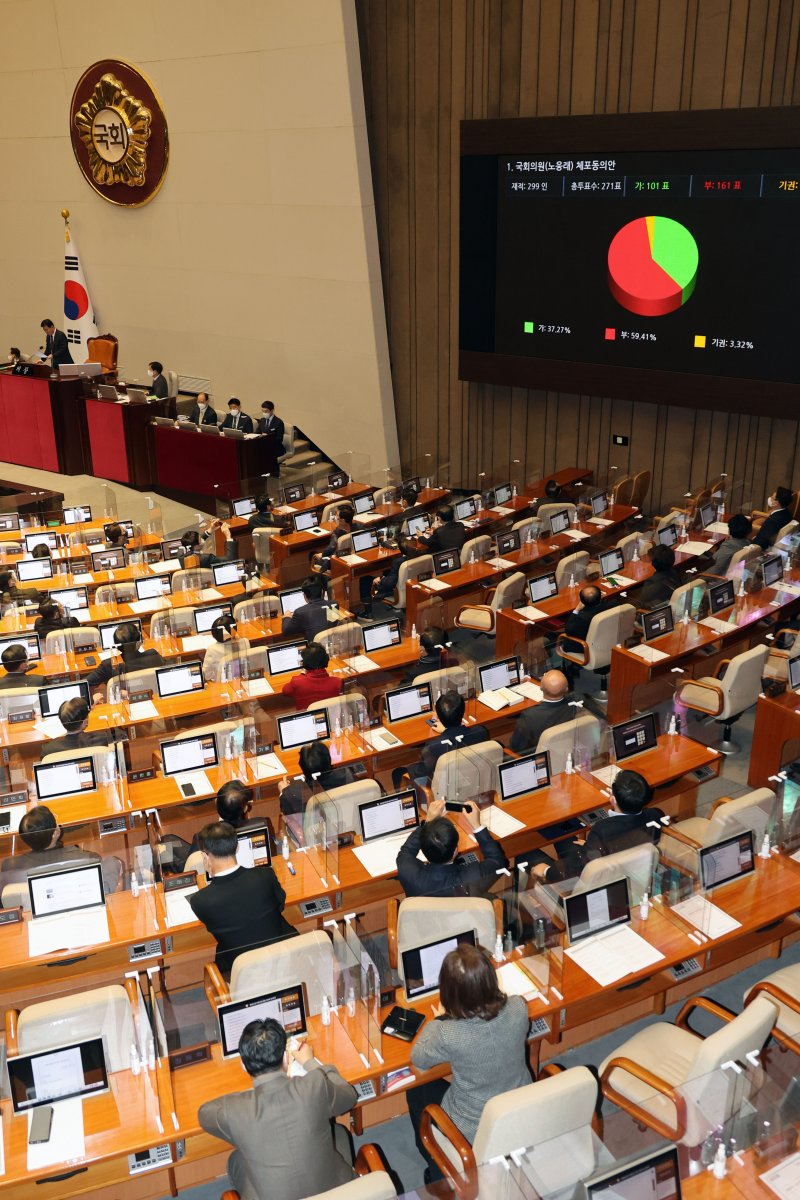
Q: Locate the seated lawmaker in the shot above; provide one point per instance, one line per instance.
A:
(14, 356)
(241, 907)
(431, 654)
(740, 529)
(658, 589)
(577, 624)
(319, 774)
(116, 537)
(158, 383)
(234, 805)
(452, 734)
(263, 517)
(236, 419)
(227, 647)
(41, 833)
(312, 617)
(12, 593)
(553, 709)
(74, 716)
(345, 515)
(314, 682)
(780, 514)
(52, 618)
(17, 664)
(448, 534)
(445, 873)
(203, 413)
(128, 640)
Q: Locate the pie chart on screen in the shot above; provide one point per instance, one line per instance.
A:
(652, 266)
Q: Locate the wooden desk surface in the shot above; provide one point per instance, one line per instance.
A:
(566, 477)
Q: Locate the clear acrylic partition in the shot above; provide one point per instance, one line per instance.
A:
(321, 828)
(458, 677)
(431, 614)
(533, 654)
(739, 497)
(358, 467)
(345, 643)
(109, 502)
(374, 973)
(786, 826)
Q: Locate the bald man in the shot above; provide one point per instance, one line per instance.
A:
(552, 710)
(592, 602)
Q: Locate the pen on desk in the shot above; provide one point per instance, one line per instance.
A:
(291, 869)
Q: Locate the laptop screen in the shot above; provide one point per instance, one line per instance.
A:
(204, 618)
(32, 540)
(228, 572)
(721, 596)
(366, 539)
(520, 776)
(363, 504)
(285, 1006)
(189, 754)
(285, 657)
(421, 966)
(297, 491)
(600, 908)
(667, 536)
(74, 516)
(126, 526)
(109, 560)
(291, 600)
(655, 1176)
(109, 629)
(76, 1070)
(412, 484)
(30, 641)
(599, 504)
(772, 569)
(67, 890)
(446, 560)
(635, 736)
(67, 777)
(559, 521)
(171, 549)
(389, 814)
(504, 673)
(179, 680)
(70, 598)
(542, 587)
(794, 674)
(28, 569)
(727, 860)
(418, 524)
(337, 479)
(502, 495)
(253, 849)
(708, 515)
(611, 561)
(508, 542)
(304, 521)
(466, 509)
(152, 586)
(379, 637)
(244, 506)
(302, 728)
(51, 698)
(658, 622)
(8, 521)
(412, 701)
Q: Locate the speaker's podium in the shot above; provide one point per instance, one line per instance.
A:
(199, 465)
(42, 420)
(119, 437)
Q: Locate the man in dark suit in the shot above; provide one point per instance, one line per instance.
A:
(273, 429)
(158, 384)
(658, 589)
(41, 833)
(263, 517)
(312, 617)
(445, 873)
(779, 515)
(56, 346)
(449, 534)
(236, 419)
(74, 716)
(203, 413)
(287, 1144)
(15, 660)
(128, 640)
(318, 774)
(240, 907)
(553, 709)
(451, 734)
(578, 622)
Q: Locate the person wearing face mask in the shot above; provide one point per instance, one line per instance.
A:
(236, 419)
(14, 357)
(780, 514)
(273, 429)
(158, 384)
(203, 413)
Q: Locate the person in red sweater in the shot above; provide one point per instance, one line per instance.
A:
(314, 683)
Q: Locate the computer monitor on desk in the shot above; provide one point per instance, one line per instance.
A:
(726, 861)
(9, 522)
(108, 560)
(253, 848)
(30, 643)
(559, 521)
(285, 657)
(611, 561)
(67, 890)
(421, 966)
(417, 525)
(181, 680)
(244, 506)
(657, 623)
(508, 542)
(108, 630)
(337, 479)
(445, 561)
(597, 909)
(667, 536)
(189, 754)
(503, 673)
(126, 526)
(382, 635)
(228, 572)
(65, 777)
(290, 600)
(204, 618)
(152, 586)
(721, 596)
(413, 701)
(389, 815)
(304, 521)
(363, 504)
(285, 1006)
(794, 674)
(171, 549)
(302, 728)
(521, 776)
(543, 587)
(365, 539)
(28, 570)
(293, 493)
(51, 698)
(77, 515)
(70, 598)
(32, 540)
(653, 1176)
(466, 508)
(708, 515)
(599, 503)
(635, 736)
(772, 569)
(501, 495)
(78, 1069)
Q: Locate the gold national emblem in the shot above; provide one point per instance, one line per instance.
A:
(115, 128)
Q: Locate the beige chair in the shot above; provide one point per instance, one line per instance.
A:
(638, 543)
(584, 732)
(682, 840)
(784, 532)
(651, 1075)
(528, 528)
(134, 681)
(372, 1182)
(197, 577)
(744, 556)
(84, 637)
(345, 637)
(102, 762)
(259, 608)
(445, 679)
(636, 864)
(16, 895)
(194, 862)
(172, 622)
(105, 1011)
(726, 698)
(573, 567)
(478, 546)
(261, 547)
(641, 486)
(554, 1115)
(307, 958)
(622, 490)
(545, 511)
(115, 593)
(690, 593)
(330, 510)
(467, 772)
(219, 728)
(348, 800)
(481, 618)
(410, 922)
(782, 988)
(410, 570)
(9, 548)
(21, 700)
(607, 630)
(342, 707)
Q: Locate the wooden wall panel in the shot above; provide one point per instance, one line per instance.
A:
(427, 65)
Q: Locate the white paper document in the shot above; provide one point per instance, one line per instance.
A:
(504, 512)
(513, 981)
(497, 699)
(380, 739)
(531, 614)
(258, 687)
(210, 594)
(717, 527)
(435, 585)
(66, 1142)
(193, 783)
(602, 521)
(614, 954)
(352, 560)
(649, 653)
(360, 662)
(267, 766)
(607, 774)
(784, 1179)
(142, 709)
(83, 577)
(718, 625)
(499, 822)
(380, 857)
(705, 916)
(693, 547)
(149, 606)
(68, 931)
(49, 727)
(198, 641)
(575, 535)
(501, 564)
(165, 567)
(528, 689)
(179, 911)
(617, 580)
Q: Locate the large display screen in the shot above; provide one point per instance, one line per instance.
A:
(649, 269)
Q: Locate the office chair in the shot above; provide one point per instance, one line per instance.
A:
(582, 733)
(482, 618)
(412, 922)
(607, 630)
(681, 841)
(726, 697)
(307, 958)
(373, 1182)
(104, 1011)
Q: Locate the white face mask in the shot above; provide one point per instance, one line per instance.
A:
(152, 374)
(235, 412)
(772, 502)
(202, 405)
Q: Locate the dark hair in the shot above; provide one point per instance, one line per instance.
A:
(36, 828)
(190, 539)
(262, 1046)
(13, 657)
(662, 558)
(631, 791)
(204, 395)
(41, 551)
(552, 489)
(115, 533)
(234, 400)
(6, 581)
(314, 657)
(450, 708)
(740, 526)
(72, 713)
(432, 639)
(47, 324)
(233, 801)
(127, 634)
(223, 623)
(590, 596)
(48, 613)
(15, 350)
(468, 985)
(268, 404)
(156, 366)
(445, 513)
(409, 496)
(784, 496)
(263, 503)
(346, 513)
(315, 759)
(438, 840)
(313, 587)
(218, 839)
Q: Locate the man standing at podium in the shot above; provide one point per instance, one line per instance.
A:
(56, 346)
(274, 429)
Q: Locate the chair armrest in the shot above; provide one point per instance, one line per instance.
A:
(711, 1006)
(756, 512)
(562, 637)
(132, 988)
(718, 801)
(230, 1195)
(12, 1017)
(708, 687)
(215, 987)
(433, 1114)
(633, 1110)
(551, 1069)
(721, 666)
(368, 1159)
(392, 907)
(767, 988)
(683, 838)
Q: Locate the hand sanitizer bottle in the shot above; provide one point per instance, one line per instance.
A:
(644, 907)
(764, 851)
(325, 1011)
(498, 949)
(285, 848)
(720, 1167)
(569, 767)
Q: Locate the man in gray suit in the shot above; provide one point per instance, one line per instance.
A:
(281, 1128)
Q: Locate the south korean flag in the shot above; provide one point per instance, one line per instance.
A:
(79, 322)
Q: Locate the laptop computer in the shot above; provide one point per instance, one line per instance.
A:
(109, 560)
(611, 561)
(421, 966)
(185, 760)
(244, 506)
(285, 657)
(290, 600)
(651, 1176)
(542, 587)
(301, 728)
(77, 515)
(727, 860)
(365, 539)
(293, 493)
(108, 630)
(382, 635)
(30, 642)
(286, 1006)
(417, 525)
(667, 536)
(29, 569)
(772, 570)
(304, 521)
(597, 909)
(466, 508)
(253, 849)
(721, 596)
(559, 521)
(412, 701)
(228, 572)
(180, 680)
(51, 698)
(521, 776)
(657, 623)
(78, 1069)
(507, 543)
(363, 504)
(445, 561)
(66, 777)
(794, 674)
(9, 522)
(106, 391)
